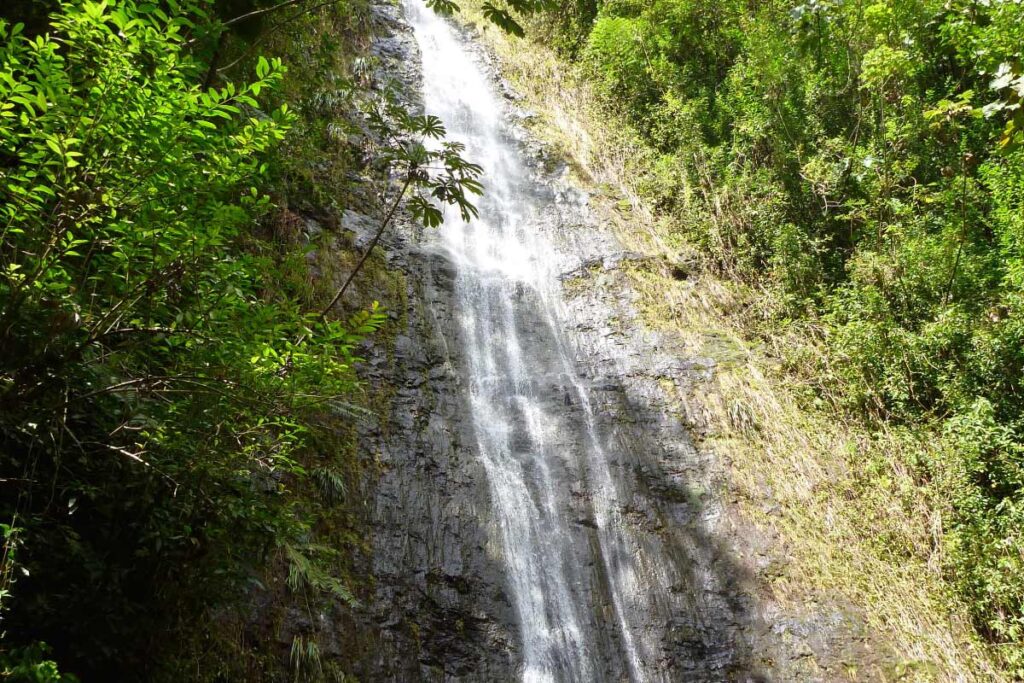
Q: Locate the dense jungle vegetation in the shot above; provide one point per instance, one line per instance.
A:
(861, 165)
(177, 392)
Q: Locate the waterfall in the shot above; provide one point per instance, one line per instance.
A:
(579, 585)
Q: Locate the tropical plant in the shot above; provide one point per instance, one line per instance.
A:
(160, 393)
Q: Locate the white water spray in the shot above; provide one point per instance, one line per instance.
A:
(518, 367)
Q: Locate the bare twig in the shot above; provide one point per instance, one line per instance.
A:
(369, 249)
(258, 12)
(274, 29)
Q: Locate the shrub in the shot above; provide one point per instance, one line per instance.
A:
(157, 397)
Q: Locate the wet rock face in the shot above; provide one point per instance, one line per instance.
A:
(438, 609)
(443, 605)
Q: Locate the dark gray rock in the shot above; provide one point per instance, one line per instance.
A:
(442, 607)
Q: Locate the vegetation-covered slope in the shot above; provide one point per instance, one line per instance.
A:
(855, 170)
(167, 381)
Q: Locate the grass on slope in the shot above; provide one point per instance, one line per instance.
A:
(848, 511)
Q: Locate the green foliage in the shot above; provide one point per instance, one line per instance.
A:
(436, 173)
(1009, 84)
(305, 660)
(615, 53)
(503, 19)
(840, 154)
(443, 7)
(31, 664)
(506, 15)
(177, 404)
(990, 531)
(159, 397)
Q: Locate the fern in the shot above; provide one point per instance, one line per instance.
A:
(306, 573)
(330, 485)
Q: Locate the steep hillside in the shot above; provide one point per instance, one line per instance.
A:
(889, 506)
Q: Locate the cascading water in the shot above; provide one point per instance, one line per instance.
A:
(581, 587)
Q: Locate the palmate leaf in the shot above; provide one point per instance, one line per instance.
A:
(429, 126)
(425, 212)
(439, 173)
(473, 185)
(443, 7)
(467, 210)
(503, 19)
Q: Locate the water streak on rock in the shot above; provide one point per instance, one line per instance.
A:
(526, 399)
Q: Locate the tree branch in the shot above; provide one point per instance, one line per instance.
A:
(258, 12)
(366, 254)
